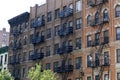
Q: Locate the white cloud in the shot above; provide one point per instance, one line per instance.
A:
(12, 8)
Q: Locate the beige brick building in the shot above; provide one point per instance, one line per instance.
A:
(4, 37)
(77, 39)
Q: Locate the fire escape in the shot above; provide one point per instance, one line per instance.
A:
(16, 45)
(100, 42)
(37, 38)
(64, 50)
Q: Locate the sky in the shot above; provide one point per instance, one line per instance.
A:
(12, 8)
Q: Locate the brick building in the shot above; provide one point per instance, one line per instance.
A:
(4, 37)
(70, 37)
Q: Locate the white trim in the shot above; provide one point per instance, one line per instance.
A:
(117, 3)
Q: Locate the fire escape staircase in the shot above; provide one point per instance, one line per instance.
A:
(101, 45)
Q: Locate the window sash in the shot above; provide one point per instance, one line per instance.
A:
(118, 56)
(79, 6)
(78, 63)
(118, 76)
(117, 33)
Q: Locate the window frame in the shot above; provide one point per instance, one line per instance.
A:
(78, 43)
(49, 33)
(78, 5)
(89, 41)
(49, 16)
(117, 11)
(48, 51)
(78, 63)
(79, 23)
(118, 33)
(117, 56)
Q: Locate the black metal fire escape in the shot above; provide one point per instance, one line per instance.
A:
(37, 38)
(16, 46)
(102, 43)
(64, 50)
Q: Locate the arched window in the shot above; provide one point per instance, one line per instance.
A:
(97, 18)
(117, 11)
(105, 14)
(89, 20)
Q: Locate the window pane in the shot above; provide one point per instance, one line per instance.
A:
(118, 76)
(117, 11)
(78, 5)
(106, 77)
(89, 78)
(78, 63)
(118, 55)
(117, 33)
(78, 43)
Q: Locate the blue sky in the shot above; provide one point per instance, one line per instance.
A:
(11, 8)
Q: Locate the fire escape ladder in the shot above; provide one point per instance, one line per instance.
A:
(100, 72)
(101, 45)
(64, 38)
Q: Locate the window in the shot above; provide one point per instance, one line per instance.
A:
(24, 56)
(26, 26)
(105, 14)
(97, 38)
(42, 50)
(21, 28)
(78, 78)
(89, 78)
(56, 30)
(97, 77)
(118, 76)
(70, 43)
(78, 5)
(106, 58)
(106, 76)
(1, 60)
(57, 11)
(71, 6)
(78, 43)
(89, 41)
(25, 41)
(69, 61)
(47, 66)
(23, 72)
(70, 24)
(117, 11)
(78, 63)
(42, 33)
(5, 58)
(56, 47)
(55, 65)
(48, 33)
(48, 51)
(97, 18)
(118, 55)
(79, 23)
(97, 60)
(117, 33)
(89, 20)
(49, 16)
(30, 54)
(106, 37)
(43, 17)
(89, 62)
(88, 2)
